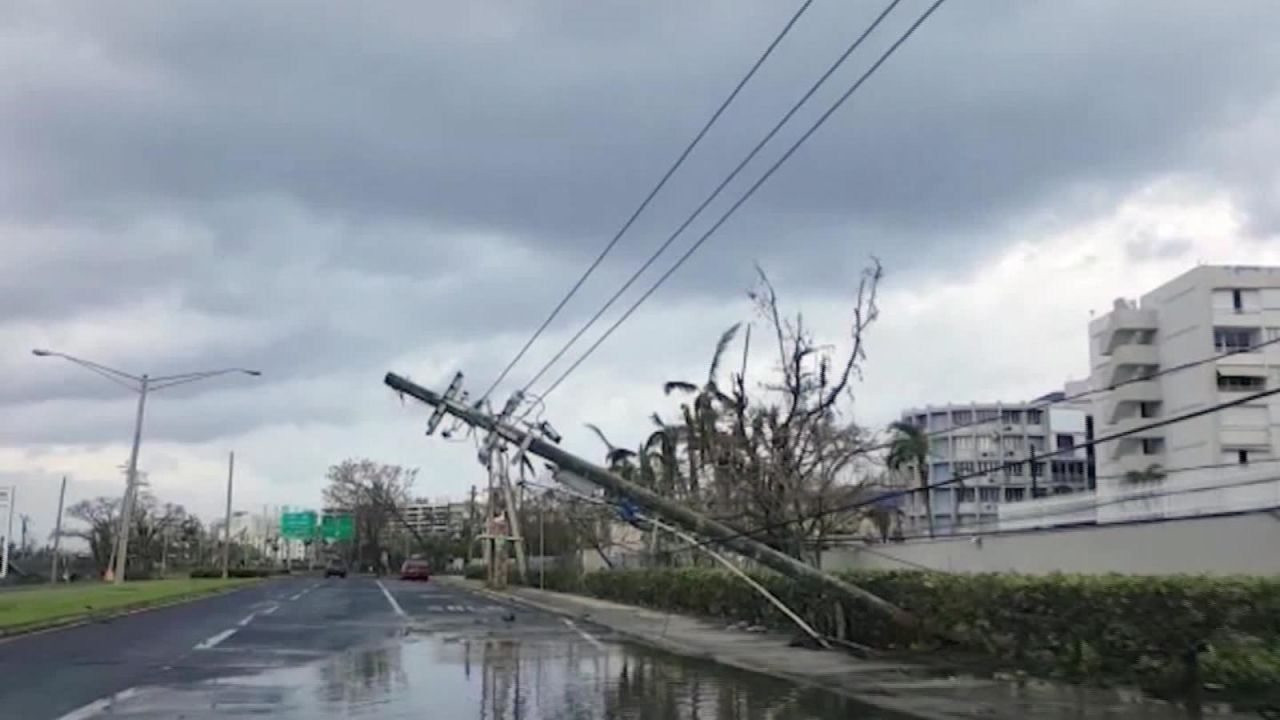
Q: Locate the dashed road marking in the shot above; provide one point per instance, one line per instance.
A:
(215, 640)
(586, 635)
(97, 707)
(394, 605)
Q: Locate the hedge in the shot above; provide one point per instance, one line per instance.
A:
(1163, 632)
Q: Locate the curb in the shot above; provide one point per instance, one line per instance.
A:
(68, 622)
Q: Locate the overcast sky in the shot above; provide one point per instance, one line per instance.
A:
(328, 191)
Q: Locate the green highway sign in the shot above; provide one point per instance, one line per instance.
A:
(298, 525)
(337, 527)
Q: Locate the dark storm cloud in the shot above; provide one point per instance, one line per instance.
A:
(338, 182)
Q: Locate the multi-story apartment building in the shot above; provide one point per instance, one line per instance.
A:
(1227, 310)
(441, 518)
(995, 443)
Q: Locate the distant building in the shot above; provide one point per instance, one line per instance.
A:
(978, 441)
(441, 518)
(1222, 461)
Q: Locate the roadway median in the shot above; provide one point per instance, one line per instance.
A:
(26, 610)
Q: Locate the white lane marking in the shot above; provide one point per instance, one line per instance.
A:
(271, 609)
(213, 641)
(394, 605)
(97, 707)
(586, 635)
(247, 620)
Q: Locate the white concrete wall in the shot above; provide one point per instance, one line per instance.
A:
(1223, 545)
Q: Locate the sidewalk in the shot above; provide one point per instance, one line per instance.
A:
(913, 690)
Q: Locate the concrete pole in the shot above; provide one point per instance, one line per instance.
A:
(646, 499)
(57, 532)
(130, 488)
(226, 530)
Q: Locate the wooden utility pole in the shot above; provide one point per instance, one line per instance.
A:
(646, 499)
(513, 519)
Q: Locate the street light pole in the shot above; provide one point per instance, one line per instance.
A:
(131, 484)
(141, 384)
(57, 532)
(226, 530)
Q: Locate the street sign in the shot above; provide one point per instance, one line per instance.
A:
(338, 527)
(298, 525)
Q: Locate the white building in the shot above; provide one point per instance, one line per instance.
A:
(1219, 462)
(442, 517)
(982, 439)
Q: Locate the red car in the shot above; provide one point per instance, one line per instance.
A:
(415, 570)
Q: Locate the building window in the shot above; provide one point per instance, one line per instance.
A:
(989, 494)
(1241, 383)
(1148, 409)
(1152, 446)
(1034, 417)
(1012, 445)
(939, 421)
(1015, 470)
(988, 467)
(988, 415)
(1035, 444)
(964, 445)
(966, 494)
(1015, 494)
(922, 421)
(1011, 417)
(962, 417)
(1273, 333)
(986, 444)
(1234, 339)
(964, 468)
(1242, 457)
(1066, 441)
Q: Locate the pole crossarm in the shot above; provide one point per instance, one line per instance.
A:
(654, 503)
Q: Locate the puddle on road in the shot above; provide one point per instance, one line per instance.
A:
(494, 679)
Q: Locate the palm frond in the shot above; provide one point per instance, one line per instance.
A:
(721, 345)
(678, 385)
(600, 434)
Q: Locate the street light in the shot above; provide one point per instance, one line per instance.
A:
(140, 384)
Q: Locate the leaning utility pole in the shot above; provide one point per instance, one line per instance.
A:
(648, 500)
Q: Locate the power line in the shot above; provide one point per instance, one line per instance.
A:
(750, 190)
(969, 476)
(1094, 391)
(649, 198)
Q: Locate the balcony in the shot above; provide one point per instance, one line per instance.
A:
(1125, 359)
(1125, 396)
(1131, 444)
(1123, 324)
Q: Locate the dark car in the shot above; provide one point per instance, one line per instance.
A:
(415, 570)
(335, 568)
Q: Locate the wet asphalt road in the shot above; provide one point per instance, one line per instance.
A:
(362, 648)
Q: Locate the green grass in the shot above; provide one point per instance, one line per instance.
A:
(35, 608)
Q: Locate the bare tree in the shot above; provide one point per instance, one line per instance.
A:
(102, 515)
(371, 492)
(781, 454)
